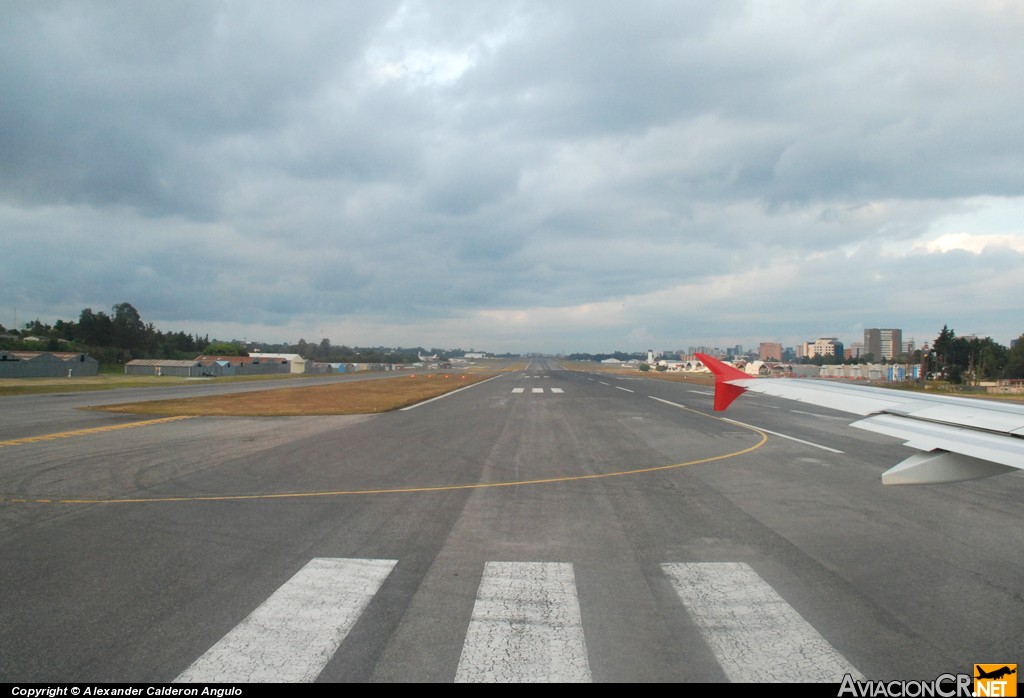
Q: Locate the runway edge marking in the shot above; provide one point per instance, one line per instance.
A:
(439, 397)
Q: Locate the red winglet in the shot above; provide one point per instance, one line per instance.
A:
(725, 393)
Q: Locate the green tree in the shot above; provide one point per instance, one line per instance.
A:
(66, 330)
(942, 347)
(1015, 360)
(95, 329)
(37, 329)
(989, 357)
(223, 349)
(129, 330)
(962, 359)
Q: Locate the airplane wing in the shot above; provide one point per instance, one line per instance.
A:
(961, 438)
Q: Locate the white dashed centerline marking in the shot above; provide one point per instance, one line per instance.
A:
(537, 390)
(295, 632)
(755, 635)
(619, 387)
(517, 390)
(526, 626)
(821, 416)
(557, 390)
(783, 436)
(751, 426)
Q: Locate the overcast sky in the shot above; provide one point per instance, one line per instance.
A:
(539, 176)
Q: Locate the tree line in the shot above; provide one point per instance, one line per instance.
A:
(115, 338)
(122, 336)
(972, 359)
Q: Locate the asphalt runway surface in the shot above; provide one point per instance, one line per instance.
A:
(543, 525)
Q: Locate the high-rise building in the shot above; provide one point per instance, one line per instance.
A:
(823, 346)
(770, 351)
(828, 346)
(883, 344)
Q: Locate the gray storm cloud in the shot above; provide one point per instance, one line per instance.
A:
(537, 177)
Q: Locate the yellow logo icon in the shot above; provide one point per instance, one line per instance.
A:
(995, 680)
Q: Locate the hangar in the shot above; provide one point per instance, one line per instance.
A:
(165, 367)
(46, 364)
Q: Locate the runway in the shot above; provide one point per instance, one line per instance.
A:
(544, 525)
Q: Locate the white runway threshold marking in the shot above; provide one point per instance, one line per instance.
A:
(538, 390)
(557, 390)
(526, 626)
(755, 635)
(517, 390)
(295, 632)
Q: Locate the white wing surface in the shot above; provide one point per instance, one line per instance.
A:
(961, 438)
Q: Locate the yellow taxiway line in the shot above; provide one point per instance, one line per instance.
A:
(91, 430)
(393, 490)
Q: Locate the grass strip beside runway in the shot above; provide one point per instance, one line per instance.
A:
(358, 397)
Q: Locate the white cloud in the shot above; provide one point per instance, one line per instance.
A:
(974, 242)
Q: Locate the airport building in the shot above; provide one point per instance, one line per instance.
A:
(183, 368)
(47, 364)
(296, 363)
(209, 366)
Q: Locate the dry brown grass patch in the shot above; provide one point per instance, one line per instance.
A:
(352, 397)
